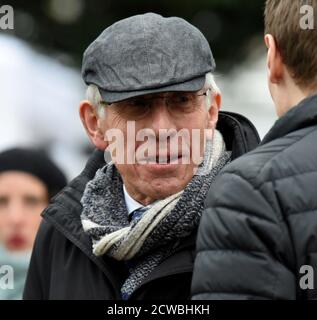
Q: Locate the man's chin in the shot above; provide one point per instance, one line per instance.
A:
(162, 188)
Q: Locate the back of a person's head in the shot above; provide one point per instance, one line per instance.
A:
(290, 23)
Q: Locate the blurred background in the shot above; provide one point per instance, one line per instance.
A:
(40, 60)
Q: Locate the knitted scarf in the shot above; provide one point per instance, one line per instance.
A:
(144, 243)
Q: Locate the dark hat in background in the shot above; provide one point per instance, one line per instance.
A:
(147, 54)
(36, 163)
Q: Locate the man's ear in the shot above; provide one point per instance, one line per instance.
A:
(274, 60)
(92, 124)
(214, 111)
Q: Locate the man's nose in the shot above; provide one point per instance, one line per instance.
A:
(161, 118)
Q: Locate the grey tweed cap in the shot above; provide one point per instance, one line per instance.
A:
(145, 54)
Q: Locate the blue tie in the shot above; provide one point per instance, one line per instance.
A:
(137, 214)
(134, 216)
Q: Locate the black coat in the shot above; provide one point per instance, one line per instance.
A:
(63, 265)
(260, 221)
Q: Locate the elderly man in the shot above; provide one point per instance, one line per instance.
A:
(126, 228)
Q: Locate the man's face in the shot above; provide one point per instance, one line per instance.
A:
(150, 177)
(22, 199)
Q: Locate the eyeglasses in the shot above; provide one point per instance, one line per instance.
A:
(178, 104)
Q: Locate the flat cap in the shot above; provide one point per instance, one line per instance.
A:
(146, 54)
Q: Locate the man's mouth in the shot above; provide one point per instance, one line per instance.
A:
(166, 159)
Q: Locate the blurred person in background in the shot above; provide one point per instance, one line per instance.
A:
(125, 230)
(258, 234)
(28, 179)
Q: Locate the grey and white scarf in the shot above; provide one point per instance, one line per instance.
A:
(144, 243)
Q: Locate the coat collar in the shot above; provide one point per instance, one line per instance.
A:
(301, 116)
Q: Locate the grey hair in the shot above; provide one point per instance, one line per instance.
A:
(94, 97)
(210, 83)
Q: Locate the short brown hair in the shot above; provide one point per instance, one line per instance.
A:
(298, 47)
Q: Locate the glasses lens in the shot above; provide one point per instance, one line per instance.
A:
(183, 102)
(133, 109)
(178, 103)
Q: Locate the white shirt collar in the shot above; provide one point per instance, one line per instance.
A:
(131, 204)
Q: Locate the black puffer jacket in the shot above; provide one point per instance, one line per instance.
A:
(63, 266)
(260, 222)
